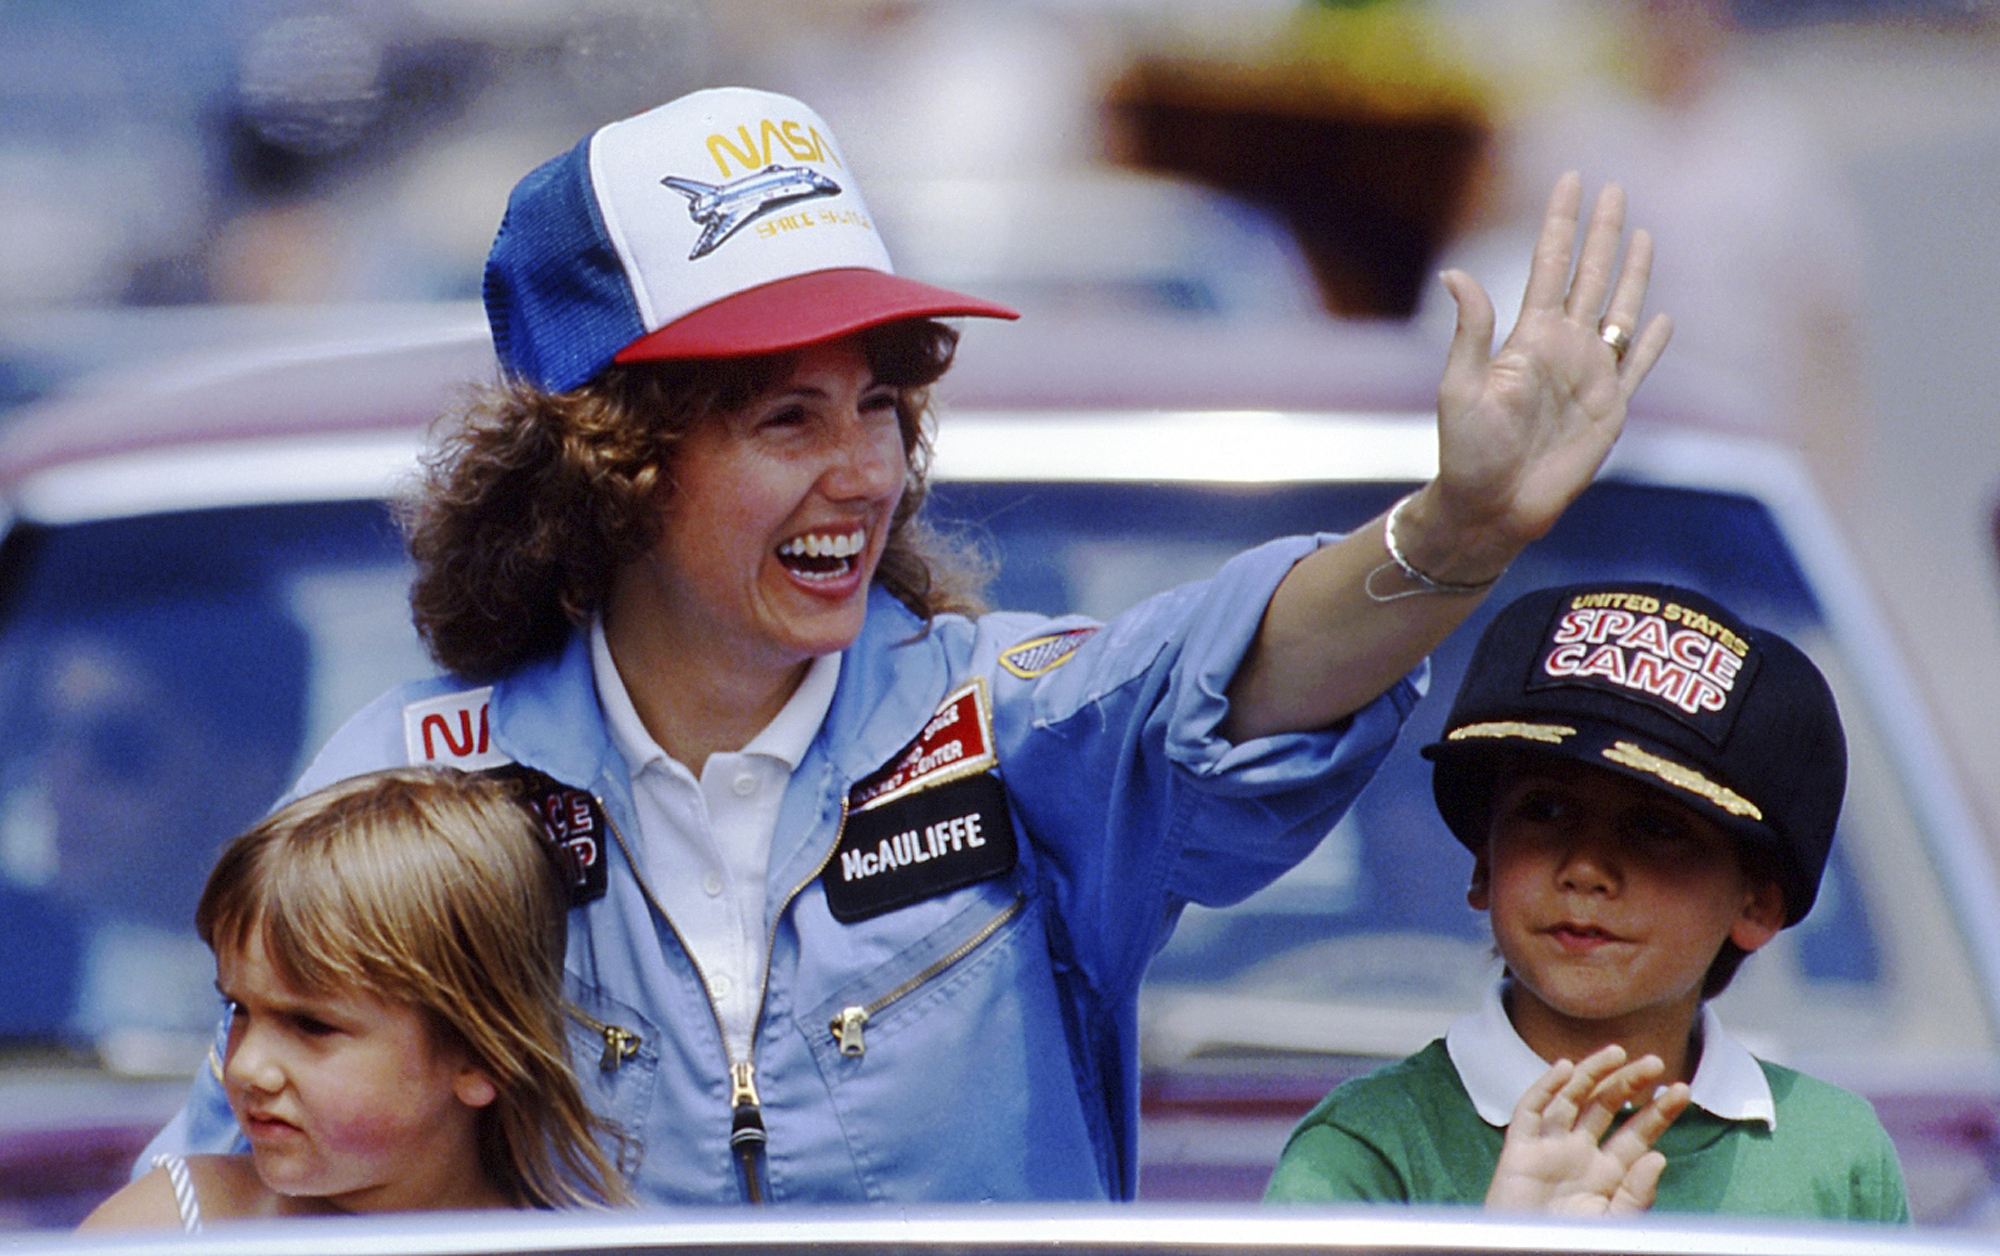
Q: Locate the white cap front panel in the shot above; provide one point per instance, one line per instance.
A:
(724, 190)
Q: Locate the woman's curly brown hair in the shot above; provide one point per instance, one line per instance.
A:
(534, 500)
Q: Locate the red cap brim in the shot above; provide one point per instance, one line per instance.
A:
(802, 310)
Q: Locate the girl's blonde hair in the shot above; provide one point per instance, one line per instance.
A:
(433, 888)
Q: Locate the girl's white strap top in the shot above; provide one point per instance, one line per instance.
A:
(177, 1173)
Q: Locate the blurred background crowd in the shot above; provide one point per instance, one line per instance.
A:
(1819, 174)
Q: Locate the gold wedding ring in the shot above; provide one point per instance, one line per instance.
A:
(1617, 337)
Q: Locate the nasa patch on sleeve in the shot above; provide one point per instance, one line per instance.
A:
(572, 822)
(932, 820)
(1041, 655)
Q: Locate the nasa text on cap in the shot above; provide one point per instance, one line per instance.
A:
(722, 223)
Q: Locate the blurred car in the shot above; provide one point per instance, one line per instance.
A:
(201, 578)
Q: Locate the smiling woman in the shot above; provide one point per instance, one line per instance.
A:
(604, 466)
(850, 857)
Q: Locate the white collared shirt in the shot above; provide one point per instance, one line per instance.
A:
(1497, 1067)
(706, 845)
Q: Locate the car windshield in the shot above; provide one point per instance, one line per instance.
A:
(1367, 949)
(166, 675)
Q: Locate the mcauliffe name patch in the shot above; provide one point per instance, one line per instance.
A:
(932, 820)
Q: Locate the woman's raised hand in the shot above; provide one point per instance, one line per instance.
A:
(1521, 431)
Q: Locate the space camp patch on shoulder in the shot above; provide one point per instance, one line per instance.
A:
(932, 820)
(572, 822)
(452, 729)
(1038, 656)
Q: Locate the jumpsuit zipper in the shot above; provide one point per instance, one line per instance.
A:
(746, 1118)
(848, 1025)
(620, 1044)
(746, 1127)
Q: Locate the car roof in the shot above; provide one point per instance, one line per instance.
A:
(336, 372)
(332, 414)
(414, 365)
(342, 411)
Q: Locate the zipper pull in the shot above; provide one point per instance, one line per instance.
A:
(746, 1128)
(743, 1085)
(847, 1029)
(620, 1045)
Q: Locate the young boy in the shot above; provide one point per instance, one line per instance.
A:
(1649, 789)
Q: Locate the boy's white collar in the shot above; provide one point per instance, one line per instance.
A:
(1497, 1067)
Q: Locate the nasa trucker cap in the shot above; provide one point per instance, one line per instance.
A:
(1662, 685)
(720, 224)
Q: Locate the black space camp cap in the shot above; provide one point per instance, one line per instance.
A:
(1665, 686)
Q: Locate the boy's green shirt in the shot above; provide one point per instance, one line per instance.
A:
(1409, 1133)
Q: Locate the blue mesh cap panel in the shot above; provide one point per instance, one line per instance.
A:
(557, 297)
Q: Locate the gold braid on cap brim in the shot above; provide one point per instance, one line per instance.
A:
(1682, 777)
(1552, 734)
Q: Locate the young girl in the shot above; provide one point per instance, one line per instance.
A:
(391, 951)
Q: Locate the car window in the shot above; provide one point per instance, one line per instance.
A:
(1367, 949)
(164, 677)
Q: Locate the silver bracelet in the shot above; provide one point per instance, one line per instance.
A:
(1424, 583)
